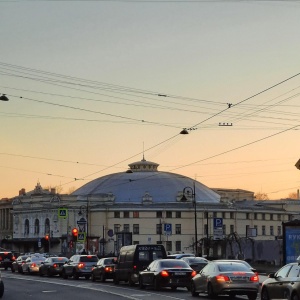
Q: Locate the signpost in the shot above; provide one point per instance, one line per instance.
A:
(168, 229)
(218, 229)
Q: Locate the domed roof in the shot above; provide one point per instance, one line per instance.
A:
(144, 183)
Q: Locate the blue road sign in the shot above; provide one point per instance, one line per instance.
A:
(218, 223)
(168, 229)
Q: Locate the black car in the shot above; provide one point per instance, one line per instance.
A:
(17, 264)
(171, 273)
(284, 284)
(6, 259)
(196, 263)
(105, 269)
(79, 266)
(52, 266)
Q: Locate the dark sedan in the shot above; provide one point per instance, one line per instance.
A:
(225, 278)
(284, 284)
(171, 273)
(52, 266)
(105, 269)
(17, 264)
(196, 263)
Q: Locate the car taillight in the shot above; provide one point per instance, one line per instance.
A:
(13, 258)
(108, 269)
(134, 267)
(194, 273)
(254, 278)
(222, 278)
(55, 266)
(164, 273)
(0, 258)
(81, 265)
(33, 265)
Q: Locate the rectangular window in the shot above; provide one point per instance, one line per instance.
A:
(231, 215)
(159, 214)
(263, 230)
(117, 228)
(215, 214)
(158, 228)
(168, 246)
(178, 214)
(224, 215)
(178, 246)
(117, 214)
(178, 228)
(136, 214)
(126, 228)
(271, 230)
(136, 242)
(206, 230)
(126, 214)
(279, 217)
(263, 216)
(279, 230)
(255, 216)
(247, 216)
(169, 214)
(224, 229)
(136, 229)
(247, 227)
(231, 228)
(271, 217)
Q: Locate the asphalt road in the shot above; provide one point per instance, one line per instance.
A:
(34, 287)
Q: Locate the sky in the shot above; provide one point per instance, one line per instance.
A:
(96, 85)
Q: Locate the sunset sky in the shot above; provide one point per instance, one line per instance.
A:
(95, 85)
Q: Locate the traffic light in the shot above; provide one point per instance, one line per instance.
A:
(74, 234)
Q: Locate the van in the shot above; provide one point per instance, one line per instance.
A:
(135, 258)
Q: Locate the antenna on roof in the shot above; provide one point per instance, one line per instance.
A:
(143, 153)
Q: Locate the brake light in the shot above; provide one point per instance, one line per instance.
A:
(0, 258)
(33, 265)
(239, 273)
(222, 278)
(108, 269)
(164, 273)
(55, 266)
(134, 267)
(81, 265)
(254, 278)
(194, 273)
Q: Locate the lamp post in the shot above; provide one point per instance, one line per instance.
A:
(192, 189)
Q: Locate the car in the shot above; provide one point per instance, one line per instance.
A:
(1, 286)
(6, 259)
(196, 263)
(79, 266)
(283, 284)
(135, 258)
(180, 255)
(105, 269)
(166, 273)
(52, 266)
(17, 264)
(225, 278)
(32, 264)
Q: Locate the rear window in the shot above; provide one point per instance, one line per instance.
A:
(6, 254)
(59, 259)
(176, 263)
(233, 267)
(89, 258)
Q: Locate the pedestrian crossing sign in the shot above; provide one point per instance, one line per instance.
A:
(63, 213)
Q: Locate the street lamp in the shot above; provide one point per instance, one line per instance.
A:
(195, 212)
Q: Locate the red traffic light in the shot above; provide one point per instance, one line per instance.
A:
(75, 232)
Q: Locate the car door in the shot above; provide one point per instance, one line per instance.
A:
(148, 273)
(278, 284)
(203, 276)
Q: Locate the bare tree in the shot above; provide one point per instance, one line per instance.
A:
(71, 189)
(261, 196)
(293, 196)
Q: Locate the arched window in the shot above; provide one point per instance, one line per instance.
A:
(47, 226)
(36, 226)
(26, 229)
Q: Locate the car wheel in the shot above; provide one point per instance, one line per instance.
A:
(87, 277)
(1, 289)
(193, 290)
(156, 284)
(75, 275)
(295, 297)
(210, 291)
(252, 296)
(93, 277)
(49, 273)
(12, 270)
(20, 270)
(28, 271)
(141, 285)
(130, 281)
(40, 273)
(264, 295)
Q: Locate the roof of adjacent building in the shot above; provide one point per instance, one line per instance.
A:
(143, 182)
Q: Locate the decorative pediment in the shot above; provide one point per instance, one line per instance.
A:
(147, 198)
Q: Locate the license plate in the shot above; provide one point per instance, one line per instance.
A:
(240, 278)
(180, 273)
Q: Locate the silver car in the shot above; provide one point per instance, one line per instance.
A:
(225, 278)
(32, 264)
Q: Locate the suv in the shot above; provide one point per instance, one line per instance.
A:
(79, 266)
(6, 259)
(1, 286)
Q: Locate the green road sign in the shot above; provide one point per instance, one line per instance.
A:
(63, 213)
(81, 237)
